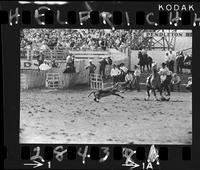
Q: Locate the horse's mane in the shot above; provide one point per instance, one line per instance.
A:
(155, 72)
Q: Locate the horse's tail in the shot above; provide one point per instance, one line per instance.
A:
(91, 93)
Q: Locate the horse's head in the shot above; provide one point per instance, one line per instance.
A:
(154, 66)
(154, 79)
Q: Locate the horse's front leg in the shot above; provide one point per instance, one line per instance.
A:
(115, 94)
(161, 89)
(154, 92)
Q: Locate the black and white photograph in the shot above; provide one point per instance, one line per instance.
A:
(105, 86)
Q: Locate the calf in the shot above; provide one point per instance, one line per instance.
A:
(105, 92)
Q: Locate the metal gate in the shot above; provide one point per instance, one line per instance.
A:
(96, 81)
(53, 80)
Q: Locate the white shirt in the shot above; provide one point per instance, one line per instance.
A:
(69, 59)
(189, 82)
(44, 66)
(137, 72)
(170, 57)
(173, 56)
(164, 71)
(114, 72)
(167, 58)
(124, 69)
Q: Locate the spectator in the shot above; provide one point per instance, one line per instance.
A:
(102, 68)
(129, 80)
(40, 59)
(188, 61)
(70, 64)
(69, 60)
(123, 68)
(167, 59)
(44, 66)
(180, 62)
(176, 81)
(115, 72)
(172, 60)
(75, 39)
(137, 74)
(121, 77)
(91, 68)
(141, 61)
(108, 66)
(54, 64)
(109, 61)
(189, 84)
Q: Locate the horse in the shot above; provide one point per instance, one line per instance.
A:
(153, 82)
(141, 62)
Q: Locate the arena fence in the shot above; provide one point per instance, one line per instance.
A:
(60, 55)
(23, 82)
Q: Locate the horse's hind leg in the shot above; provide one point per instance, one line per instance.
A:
(118, 95)
(161, 89)
(148, 93)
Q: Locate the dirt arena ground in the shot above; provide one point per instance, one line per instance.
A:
(69, 116)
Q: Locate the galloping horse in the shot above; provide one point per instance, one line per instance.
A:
(153, 82)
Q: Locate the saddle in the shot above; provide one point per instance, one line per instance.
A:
(148, 82)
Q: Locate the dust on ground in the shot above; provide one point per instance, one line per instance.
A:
(69, 116)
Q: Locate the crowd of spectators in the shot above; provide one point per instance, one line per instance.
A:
(75, 39)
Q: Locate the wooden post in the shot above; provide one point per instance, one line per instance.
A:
(128, 54)
(27, 54)
(51, 53)
(32, 52)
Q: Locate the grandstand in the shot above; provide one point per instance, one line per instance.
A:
(94, 44)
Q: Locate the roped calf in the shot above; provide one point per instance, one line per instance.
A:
(105, 92)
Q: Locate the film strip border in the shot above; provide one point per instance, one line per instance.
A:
(113, 19)
(128, 156)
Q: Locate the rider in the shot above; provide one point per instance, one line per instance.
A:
(165, 76)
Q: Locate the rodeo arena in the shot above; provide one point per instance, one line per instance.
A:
(104, 86)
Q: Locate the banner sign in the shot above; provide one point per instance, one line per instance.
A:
(29, 65)
(168, 34)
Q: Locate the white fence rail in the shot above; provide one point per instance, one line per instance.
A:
(62, 54)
